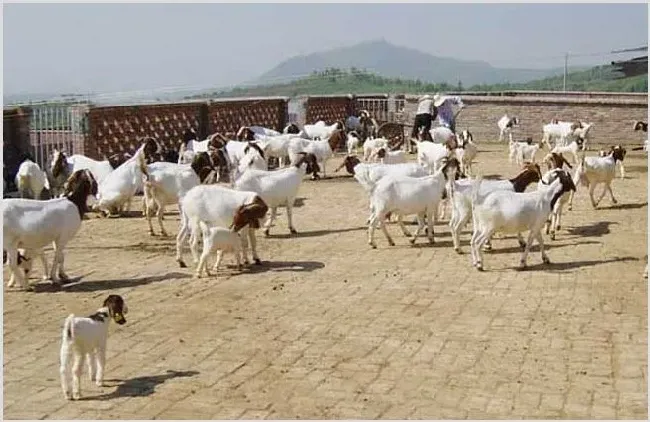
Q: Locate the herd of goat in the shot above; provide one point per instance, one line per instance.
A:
(226, 214)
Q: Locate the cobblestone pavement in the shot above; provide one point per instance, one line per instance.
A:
(328, 328)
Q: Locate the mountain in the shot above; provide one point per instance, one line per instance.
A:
(389, 60)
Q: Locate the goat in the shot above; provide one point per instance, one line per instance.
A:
(252, 133)
(522, 151)
(466, 151)
(321, 131)
(371, 145)
(404, 196)
(277, 146)
(291, 128)
(554, 218)
(390, 157)
(349, 162)
(218, 206)
(511, 212)
(639, 125)
(220, 240)
(593, 171)
(61, 167)
(323, 149)
(85, 338)
(279, 187)
(167, 185)
(25, 261)
(236, 151)
(573, 148)
(118, 188)
(505, 125)
(460, 197)
(353, 142)
(441, 135)
(33, 224)
(605, 153)
(430, 155)
(554, 160)
(31, 181)
(564, 132)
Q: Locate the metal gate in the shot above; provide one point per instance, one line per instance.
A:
(57, 126)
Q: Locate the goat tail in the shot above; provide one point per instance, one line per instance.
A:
(68, 328)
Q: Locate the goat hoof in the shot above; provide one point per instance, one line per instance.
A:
(546, 260)
(412, 242)
(266, 232)
(479, 267)
(458, 251)
(391, 243)
(181, 264)
(257, 261)
(373, 246)
(293, 231)
(522, 266)
(76, 396)
(99, 384)
(552, 236)
(614, 201)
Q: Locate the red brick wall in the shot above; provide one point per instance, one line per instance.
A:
(329, 108)
(228, 116)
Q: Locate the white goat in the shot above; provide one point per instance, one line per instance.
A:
(118, 188)
(461, 199)
(406, 196)
(386, 156)
(619, 163)
(323, 149)
(506, 124)
(241, 155)
(168, 184)
(593, 171)
(511, 212)
(85, 338)
(431, 155)
(442, 135)
(219, 240)
(279, 187)
(522, 151)
(277, 146)
(466, 151)
(321, 130)
(33, 224)
(573, 148)
(564, 132)
(62, 166)
(353, 142)
(371, 145)
(218, 206)
(31, 181)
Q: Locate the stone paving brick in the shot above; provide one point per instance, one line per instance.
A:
(351, 332)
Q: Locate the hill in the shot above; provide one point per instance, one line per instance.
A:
(337, 81)
(392, 61)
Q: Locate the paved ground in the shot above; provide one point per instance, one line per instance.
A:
(329, 328)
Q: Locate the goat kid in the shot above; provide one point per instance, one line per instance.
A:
(573, 148)
(85, 338)
(219, 240)
(506, 124)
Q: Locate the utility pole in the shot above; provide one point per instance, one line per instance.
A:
(566, 62)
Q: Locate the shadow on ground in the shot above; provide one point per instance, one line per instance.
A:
(77, 284)
(141, 386)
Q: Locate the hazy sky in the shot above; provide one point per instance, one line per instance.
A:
(123, 47)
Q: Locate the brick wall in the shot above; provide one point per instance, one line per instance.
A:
(228, 116)
(329, 108)
(611, 113)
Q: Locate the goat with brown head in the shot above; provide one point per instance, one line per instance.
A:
(249, 215)
(349, 162)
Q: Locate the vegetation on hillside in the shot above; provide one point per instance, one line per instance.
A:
(337, 81)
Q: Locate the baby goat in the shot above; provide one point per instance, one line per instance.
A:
(218, 239)
(85, 338)
(510, 212)
(572, 148)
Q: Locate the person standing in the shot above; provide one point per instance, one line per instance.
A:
(425, 115)
(445, 108)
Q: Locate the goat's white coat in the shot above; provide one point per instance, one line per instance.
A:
(219, 240)
(31, 180)
(215, 206)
